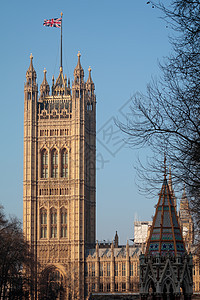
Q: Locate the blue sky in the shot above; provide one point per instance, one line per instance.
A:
(122, 41)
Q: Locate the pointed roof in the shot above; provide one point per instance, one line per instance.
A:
(31, 68)
(78, 66)
(60, 81)
(89, 76)
(165, 236)
(78, 71)
(31, 71)
(60, 86)
(44, 87)
(44, 82)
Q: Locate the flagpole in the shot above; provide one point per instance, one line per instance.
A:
(61, 42)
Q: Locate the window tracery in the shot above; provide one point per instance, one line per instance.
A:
(64, 161)
(54, 163)
(44, 168)
(53, 223)
(43, 223)
(63, 223)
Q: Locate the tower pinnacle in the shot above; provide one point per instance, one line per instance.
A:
(31, 73)
(78, 71)
(31, 63)
(89, 76)
(79, 61)
(44, 87)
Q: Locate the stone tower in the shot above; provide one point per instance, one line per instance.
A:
(166, 268)
(59, 192)
(186, 221)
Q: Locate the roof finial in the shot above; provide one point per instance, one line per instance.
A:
(89, 77)
(45, 78)
(170, 178)
(79, 60)
(31, 64)
(165, 168)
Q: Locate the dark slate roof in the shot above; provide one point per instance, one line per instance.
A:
(165, 236)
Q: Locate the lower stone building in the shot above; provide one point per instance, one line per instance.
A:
(113, 269)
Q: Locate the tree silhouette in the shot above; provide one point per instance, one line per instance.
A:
(167, 117)
(15, 257)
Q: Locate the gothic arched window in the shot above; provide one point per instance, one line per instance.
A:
(54, 163)
(64, 163)
(63, 217)
(43, 223)
(44, 168)
(53, 223)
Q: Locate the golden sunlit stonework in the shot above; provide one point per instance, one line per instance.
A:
(59, 196)
(59, 193)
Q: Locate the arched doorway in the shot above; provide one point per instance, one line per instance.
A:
(51, 285)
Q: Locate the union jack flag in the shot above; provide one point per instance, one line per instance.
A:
(53, 22)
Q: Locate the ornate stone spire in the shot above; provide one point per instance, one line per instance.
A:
(165, 236)
(31, 69)
(44, 87)
(78, 66)
(89, 81)
(60, 87)
(78, 71)
(31, 73)
(116, 240)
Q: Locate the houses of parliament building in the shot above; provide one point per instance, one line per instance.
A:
(59, 194)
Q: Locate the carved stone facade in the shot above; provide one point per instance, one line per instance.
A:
(114, 269)
(59, 193)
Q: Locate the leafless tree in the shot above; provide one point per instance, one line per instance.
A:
(14, 257)
(167, 117)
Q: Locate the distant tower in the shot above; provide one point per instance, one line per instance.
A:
(59, 176)
(186, 221)
(166, 268)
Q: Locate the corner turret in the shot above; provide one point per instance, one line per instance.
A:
(30, 86)
(44, 87)
(31, 73)
(78, 71)
(90, 84)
